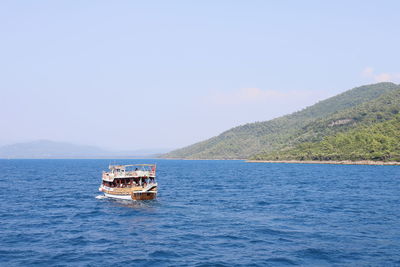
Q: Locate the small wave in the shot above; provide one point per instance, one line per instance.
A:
(230, 237)
(262, 203)
(163, 254)
(213, 263)
(101, 197)
(315, 253)
(281, 260)
(84, 214)
(270, 231)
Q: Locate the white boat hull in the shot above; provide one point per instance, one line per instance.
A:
(125, 197)
(142, 196)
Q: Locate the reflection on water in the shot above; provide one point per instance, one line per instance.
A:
(134, 204)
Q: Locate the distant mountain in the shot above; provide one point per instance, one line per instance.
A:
(51, 149)
(311, 124)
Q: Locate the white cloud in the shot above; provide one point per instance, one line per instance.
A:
(369, 73)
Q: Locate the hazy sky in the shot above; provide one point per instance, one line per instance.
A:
(165, 74)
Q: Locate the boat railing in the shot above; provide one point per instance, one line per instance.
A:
(129, 174)
(107, 188)
(145, 186)
(150, 186)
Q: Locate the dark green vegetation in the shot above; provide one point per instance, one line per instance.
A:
(380, 141)
(302, 135)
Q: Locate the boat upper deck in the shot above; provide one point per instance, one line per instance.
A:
(130, 171)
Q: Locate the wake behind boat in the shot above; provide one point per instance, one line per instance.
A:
(130, 182)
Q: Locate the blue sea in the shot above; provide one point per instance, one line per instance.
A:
(208, 213)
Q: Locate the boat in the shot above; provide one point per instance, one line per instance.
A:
(130, 182)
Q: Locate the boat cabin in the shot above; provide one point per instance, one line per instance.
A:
(129, 176)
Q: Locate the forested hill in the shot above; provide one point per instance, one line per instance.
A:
(369, 131)
(307, 125)
(380, 141)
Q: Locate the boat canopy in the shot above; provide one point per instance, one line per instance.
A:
(130, 171)
(121, 167)
(132, 167)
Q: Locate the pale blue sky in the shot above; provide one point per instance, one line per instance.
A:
(156, 74)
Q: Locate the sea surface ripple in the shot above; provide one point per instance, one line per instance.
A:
(218, 213)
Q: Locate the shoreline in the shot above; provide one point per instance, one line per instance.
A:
(342, 162)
